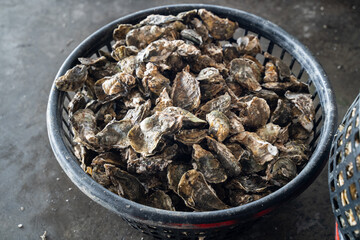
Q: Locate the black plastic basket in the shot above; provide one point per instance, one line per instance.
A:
(344, 173)
(214, 224)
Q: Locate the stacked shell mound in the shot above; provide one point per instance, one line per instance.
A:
(175, 119)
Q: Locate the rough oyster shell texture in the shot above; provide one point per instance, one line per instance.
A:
(174, 118)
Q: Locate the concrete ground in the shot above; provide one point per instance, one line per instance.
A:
(36, 37)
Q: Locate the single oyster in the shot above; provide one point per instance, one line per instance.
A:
(159, 199)
(73, 79)
(154, 80)
(154, 164)
(188, 51)
(145, 137)
(219, 28)
(280, 172)
(242, 72)
(226, 158)
(174, 173)
(108, 158)
(230, 52)
(256, 113)
(158, 51)
(157, 19)
(127, 65)
(295, 151)
(249, 44)
(94, 62)
(83, 124)
(186, 91)
(221, 103)
(235, 123)
(110, 88)
(105, 114)
(214, 51)
(84, 155)
(197, 194)
(78, 102)
(121, 31)
(210, 90)
(263, 151)
(238, 197)
(143, 36)
(200, 29)
(134, 99)
(189, 119)
(191, 35)
(269, 132)
(201, 62)
(249, 184)
(270, 96)
(137, 114)
(191, 136)
(210, 75)
(270, 73)
(122, 52)
(283, 69)
(305, 107)
(163, 101)
(208, 165)
(282, 113)
(114, 135)
(187, 16)
(127, 185)
(98, 173)
(219, 125)
(298, 132)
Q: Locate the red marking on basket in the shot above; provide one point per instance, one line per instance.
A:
(207, 225)
(263, 212)
(337, 237)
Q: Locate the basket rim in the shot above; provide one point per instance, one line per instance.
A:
(154, 216)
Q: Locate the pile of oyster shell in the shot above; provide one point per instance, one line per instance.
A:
(179, 118)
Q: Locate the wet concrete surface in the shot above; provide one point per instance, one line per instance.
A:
(36, 37)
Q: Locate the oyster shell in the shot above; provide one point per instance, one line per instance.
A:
(249, 44)
(214, 51)
(108, 158)
(174, 173)
(238, 198)
(163, 101)
(188, 119)
(269, 132)
(157, 19)
(210, 75)
(221, 103)
(230, 52)
(154, 80)
(153, 164)
(219, 125)
(282, 113)
(282, 171)
(127, 185)
(305, 106)
(141, 37)
(186, 91)
(121, 31)
(256, 113)
(122, 52)
(226, 158)
(200, 29)
(282, 68)
(197, 194)
(271, 74)
(78, 102)
(219, 28)
(295, 151)
(191, 136)
(191, 35)
(249, 184)
(262, 151)
(208, 165)
(114, 135)
(236, 125)
(243, 73)
(73, 79)
(111, 88)
(84, 128)
(145, 137)
(159, 199)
